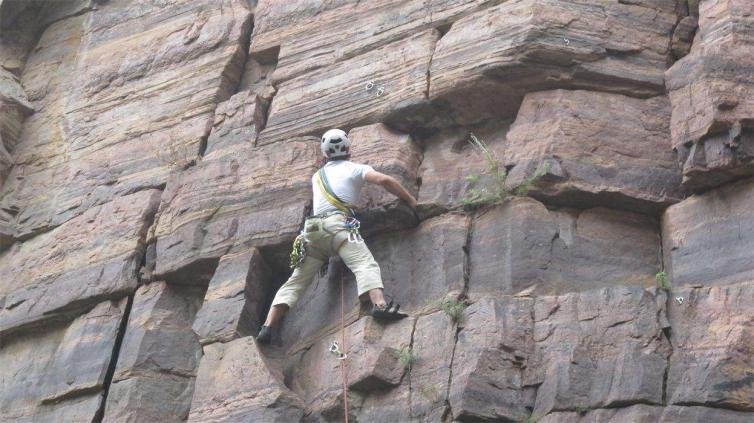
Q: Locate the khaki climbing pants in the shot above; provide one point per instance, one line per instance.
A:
(326, 237)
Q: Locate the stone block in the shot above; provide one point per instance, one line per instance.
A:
(336, 94)
(597, 349)
(601, 149)
(235, 383)
(433, 345)
(254, 197)
(704, 237)
(312, 34)
(126, 93)
(493, 348)
(392, 153)
(237, 123)
(373, 363)
(58, 373)
(522, 246)
(235, 299)
(451, 163)
(65, 270)
(159, 354)
(713, 342)
(712, 94)
(423, 264)
(489, 59)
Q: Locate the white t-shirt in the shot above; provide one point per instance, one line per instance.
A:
(346, 179)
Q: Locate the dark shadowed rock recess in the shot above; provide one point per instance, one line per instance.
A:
(592, 262)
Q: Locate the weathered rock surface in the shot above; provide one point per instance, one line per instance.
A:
(649, 414)
(252, 197)
(488, 60)
(450, 161)
(138, 101)
(65, 270)
(58, 373)
(235, 299)
(372, 364)
(155, 165)
(337, 94)
(235, 383)
(159, 355)
(705, 240)
(488, 366)
(423, 264)
(521, 245)
(712, 330)
(594, 158)
(601, 348)
(712, 93)
(394, 154)
(312, 34)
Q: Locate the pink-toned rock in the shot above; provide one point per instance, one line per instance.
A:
(433, 346)
(125, 92)
(600, 348)
(450, 161)
(704, 240)
(248, 197)
(337, 94)
(523, 246)
(712, 93)
(488, 365)
(235, 299)
(237, 123)
(392, 153)
(234, 384)
(372, 363)
(60, 272)
(311, 34)
(423, 264)
(158, 357)
(713, 342)
(489, 59)
(58, 373)
(593, 157)
(650, 414)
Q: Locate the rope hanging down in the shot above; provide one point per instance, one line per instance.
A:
(345, 348)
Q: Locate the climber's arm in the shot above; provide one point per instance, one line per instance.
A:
(392, 186)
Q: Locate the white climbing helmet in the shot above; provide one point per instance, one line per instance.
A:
(335, 143)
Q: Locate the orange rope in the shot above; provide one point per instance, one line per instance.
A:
(343, 345)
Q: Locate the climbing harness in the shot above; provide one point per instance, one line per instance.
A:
(352, 227)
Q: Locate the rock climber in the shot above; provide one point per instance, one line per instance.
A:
(334, 230)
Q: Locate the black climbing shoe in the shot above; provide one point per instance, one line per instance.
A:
(388, 313)
(265, 335)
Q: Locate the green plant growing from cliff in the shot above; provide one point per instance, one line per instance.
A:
(662, 281)
(453, 308)
(581, 409)
(406, 357)
(497, 190)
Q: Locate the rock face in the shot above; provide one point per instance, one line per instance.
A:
(523, 246)
(711, 91)
(155, 373)
(717, 219)
(155, 166)
(588, 151)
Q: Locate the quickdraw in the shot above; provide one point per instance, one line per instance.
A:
(298, 253)
(335, 349)
(352, 227)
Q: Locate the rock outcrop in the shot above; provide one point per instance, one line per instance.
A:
(581, 251)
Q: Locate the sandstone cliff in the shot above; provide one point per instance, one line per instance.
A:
(155, 158)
